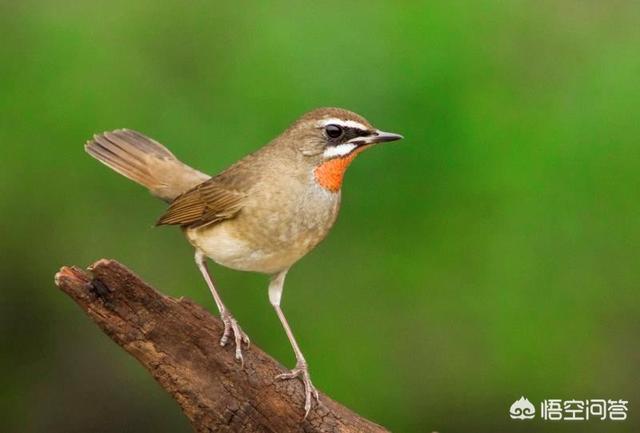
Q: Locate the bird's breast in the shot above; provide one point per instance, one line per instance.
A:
(275, 228)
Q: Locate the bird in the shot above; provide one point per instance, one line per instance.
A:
(261, 214)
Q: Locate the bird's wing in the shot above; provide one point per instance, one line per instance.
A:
(210, 202)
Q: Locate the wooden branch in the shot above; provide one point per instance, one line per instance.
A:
(177, 341)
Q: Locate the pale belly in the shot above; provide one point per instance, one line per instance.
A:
(224, 246)
(267, 241)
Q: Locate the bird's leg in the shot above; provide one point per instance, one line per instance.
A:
(301, 369)
(230, 324)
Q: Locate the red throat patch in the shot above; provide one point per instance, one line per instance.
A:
(330, 173)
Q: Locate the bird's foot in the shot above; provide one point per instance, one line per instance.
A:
(302, 371)
(231, 327)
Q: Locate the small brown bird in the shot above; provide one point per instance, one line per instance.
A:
(263, 213)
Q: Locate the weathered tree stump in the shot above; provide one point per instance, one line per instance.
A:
(176, 340)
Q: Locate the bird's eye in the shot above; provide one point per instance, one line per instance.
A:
(333, 131)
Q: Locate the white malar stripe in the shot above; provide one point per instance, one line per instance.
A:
(339, 150)
(341, 122)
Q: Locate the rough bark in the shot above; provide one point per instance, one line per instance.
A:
(176, 340)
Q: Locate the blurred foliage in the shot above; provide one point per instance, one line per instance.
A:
(491, 254)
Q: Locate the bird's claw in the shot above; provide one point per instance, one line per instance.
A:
(231, 327)
(302, 371)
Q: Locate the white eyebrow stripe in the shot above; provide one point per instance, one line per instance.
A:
(341, 122)
(339, 150)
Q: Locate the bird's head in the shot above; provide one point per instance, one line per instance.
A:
(330, 138)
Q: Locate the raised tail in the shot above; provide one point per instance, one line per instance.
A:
(144, 161)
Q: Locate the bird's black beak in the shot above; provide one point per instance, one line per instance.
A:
(376, 137)
(383, 137)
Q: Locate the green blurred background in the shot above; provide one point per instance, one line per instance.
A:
(491, 254)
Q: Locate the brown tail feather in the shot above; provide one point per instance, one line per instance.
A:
(144, 161)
